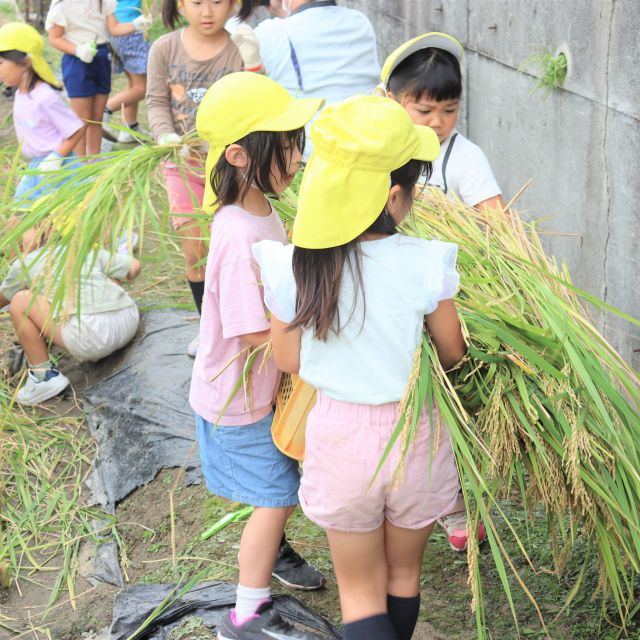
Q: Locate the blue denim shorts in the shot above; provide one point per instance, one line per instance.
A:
(82, 80)
(241, 463)
(130, 53)
(29, 188)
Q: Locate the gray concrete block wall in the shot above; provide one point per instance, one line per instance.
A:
(580, 146)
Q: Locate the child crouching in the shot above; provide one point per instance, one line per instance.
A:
(108, 320)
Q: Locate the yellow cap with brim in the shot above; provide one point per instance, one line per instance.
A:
(19, 36)
(434, 39)
(346, 183)
(241, 103)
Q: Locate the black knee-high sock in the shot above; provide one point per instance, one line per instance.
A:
(373, 628)
(197, 291)
(403, 613)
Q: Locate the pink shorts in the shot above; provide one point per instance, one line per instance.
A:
(344, 444)
(185, 188)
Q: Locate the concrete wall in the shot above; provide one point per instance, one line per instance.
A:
(581, 146)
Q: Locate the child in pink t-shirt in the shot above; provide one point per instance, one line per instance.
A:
(255, 130)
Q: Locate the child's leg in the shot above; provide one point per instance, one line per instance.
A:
(129, 98)
(194, 251)
(30, 316)
(83, 109)
(94, 128)
(362, 575)
(404, 552)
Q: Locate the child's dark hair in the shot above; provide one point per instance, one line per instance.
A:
(171, 15)
(434, 73)
(318, 272)
(21, 58)
(263, 148)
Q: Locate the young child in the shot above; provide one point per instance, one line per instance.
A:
(349, 301)
(130, 57)
(80, 29)
(424, 76)
(46, 128)
(182, 66)
(256, 136)
(108, 320)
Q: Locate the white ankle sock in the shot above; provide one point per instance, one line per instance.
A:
(248, 600)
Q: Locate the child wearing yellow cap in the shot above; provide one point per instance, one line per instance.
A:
(349, 301)
(182, 65)
(46, 128)
(424, 76)
(255, 131)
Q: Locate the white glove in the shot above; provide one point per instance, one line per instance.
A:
(86, 52)
(248, 45)
(53, 162)
(142, 23)
(168, 139)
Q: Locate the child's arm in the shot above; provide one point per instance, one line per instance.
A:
(492, 203)
(58, 40)
(444, 326)
(158, 97)
(115, 28)
(255, 339)
(286, 346)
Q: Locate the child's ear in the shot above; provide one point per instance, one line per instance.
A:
(236, 156)
(397, 204)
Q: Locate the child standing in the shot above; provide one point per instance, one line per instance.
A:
(78, 28)
(424, 76)
(182, 66)
(349, 302)
(108, 321)
(256, 136)
(131, 53)
(46, 128)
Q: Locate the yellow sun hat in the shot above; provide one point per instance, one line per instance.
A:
(23, 37)
(241, 103)
(356, 145)
(433, 39)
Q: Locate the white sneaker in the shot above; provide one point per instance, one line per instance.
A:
(125, 247)
(35, 392)
(108, 132)
(125, 136)
(192, 347)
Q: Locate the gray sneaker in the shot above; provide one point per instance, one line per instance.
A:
(295, 572)
(265, 624)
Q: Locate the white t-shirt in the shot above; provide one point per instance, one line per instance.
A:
(82, 20)
(335, 49)
(370, 360)
(468, 173)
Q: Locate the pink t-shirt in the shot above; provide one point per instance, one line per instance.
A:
(233, 306)
(42, 120)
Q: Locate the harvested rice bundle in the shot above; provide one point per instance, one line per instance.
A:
(542, 404)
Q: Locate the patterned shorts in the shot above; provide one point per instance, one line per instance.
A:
(130, 53)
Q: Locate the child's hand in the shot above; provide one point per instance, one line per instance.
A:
(53, 162)
(247, 42)
(142, 23)
(169, 139)
(86, 52)
(134, 269)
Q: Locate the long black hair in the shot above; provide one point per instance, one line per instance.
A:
(319, 272)
(264, 149)
(431, 72)
(171, 15)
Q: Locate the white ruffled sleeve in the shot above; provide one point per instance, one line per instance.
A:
(442, 278)
(276, 272)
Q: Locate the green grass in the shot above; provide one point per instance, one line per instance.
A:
(550, 71)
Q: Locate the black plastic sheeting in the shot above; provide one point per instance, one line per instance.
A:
(209, 601)
(139, 413)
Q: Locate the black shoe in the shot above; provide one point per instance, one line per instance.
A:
(294, 571)
(265, 624)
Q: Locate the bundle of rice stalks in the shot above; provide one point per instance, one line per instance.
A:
(93, 206)
(542, 406)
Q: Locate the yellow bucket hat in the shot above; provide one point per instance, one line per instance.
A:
(357, 144)
(242, 103)
(433, 39)
(23, 37)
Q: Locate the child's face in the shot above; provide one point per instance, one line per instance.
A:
(280, 182)
(11, 73)
(441, 116)
(207, 17)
